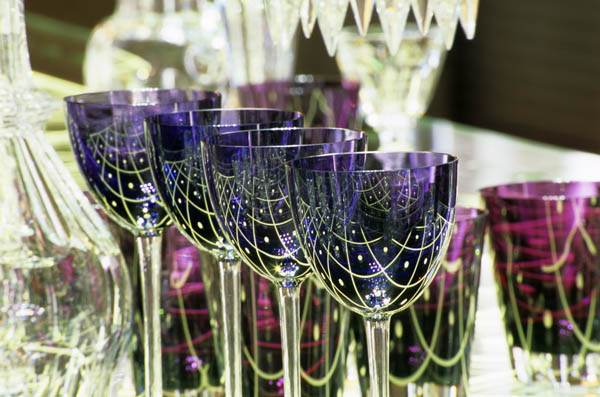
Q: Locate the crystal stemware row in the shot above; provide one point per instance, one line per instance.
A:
(256, 186)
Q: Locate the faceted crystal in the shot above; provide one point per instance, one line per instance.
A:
(423, 14)
(331, 15)
(363, 10)
(393, 14)
(308, 17)
(282, 18)
(65, 311)
(468, 17)
(446, 14)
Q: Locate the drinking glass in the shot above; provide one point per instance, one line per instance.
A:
(246, 182)
(174, 151)
(545, 237)
(324, 101)
(106, 131)
(374, 227)
(430, 342)
(395, 90)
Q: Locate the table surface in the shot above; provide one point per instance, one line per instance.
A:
(486, 158)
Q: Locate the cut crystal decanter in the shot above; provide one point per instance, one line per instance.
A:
(65, 296)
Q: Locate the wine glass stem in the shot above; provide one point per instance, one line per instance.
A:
(229, 269)
(149, 250)
(289, 310)
(398, 133)
(378, 344)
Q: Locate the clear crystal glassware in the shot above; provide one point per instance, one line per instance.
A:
(395, 90)
(65, 305)
(157, 43)
(430, 342)
(107, 136)
(175, 155)
(246, 181)
(253, 55)
(324, 101)
(545, 237)
(374, 232)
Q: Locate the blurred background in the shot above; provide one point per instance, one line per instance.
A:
(531, 70)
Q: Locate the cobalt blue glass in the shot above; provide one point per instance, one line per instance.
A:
(174, 151)
(247, 185)
(374, 227)
(107, 135)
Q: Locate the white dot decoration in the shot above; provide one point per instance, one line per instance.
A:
(406, 264)
(113, 203)
(200, 225)
(130, 185)
(267, 239)
(360, 258)
(340, 282)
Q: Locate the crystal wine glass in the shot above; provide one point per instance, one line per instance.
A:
(374, 227)
(106, 131)
(246, 181)
(395, 90)
(174, 151)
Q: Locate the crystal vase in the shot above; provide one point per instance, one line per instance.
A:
(65, 296)
(157, 43)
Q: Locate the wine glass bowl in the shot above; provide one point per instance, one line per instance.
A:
(248, 181)
(175, 156)
(374, 238)
(395, 90)
(107, 136)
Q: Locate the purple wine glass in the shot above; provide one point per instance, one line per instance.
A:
(430, 342)
(374, 236)
(247, 185)
(107, 136)
(175, 155)
(545, 236)
(324, 101)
